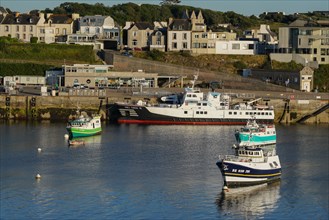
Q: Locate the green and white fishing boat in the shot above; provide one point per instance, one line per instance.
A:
(84, 126)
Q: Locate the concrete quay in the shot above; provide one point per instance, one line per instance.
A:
(290, 107)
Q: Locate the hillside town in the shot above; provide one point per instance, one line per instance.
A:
(305, 42)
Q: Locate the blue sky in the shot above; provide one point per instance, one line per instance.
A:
(245, 7)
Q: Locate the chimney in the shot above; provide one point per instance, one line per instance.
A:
(48, 15)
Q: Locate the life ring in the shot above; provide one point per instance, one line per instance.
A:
(7, 99)
(33, 99)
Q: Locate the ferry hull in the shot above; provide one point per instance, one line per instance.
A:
(81, 132)
(237, 174)
(141, 115)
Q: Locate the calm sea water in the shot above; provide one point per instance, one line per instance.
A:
(154, 172)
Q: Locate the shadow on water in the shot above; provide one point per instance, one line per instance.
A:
(249, 202)
(84, 141)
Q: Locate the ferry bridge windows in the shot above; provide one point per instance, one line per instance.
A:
(204, 104)
(185, 112)
(275, 163)
(200, 112)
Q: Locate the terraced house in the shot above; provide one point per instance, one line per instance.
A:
(57, 27)
(22, 26)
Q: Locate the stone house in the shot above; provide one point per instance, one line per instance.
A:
(57, 27)
(138, 35)
(22, 26)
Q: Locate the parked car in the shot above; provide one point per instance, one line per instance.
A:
(127, 54)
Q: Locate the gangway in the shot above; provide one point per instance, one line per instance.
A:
(315, 113)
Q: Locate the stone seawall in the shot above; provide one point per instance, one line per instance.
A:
(62, 108)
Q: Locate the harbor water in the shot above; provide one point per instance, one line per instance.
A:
(154, 172)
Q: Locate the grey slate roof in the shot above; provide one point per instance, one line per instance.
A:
(143, 25)
(180, 25)
(92, 20)
(21, 19)
(3, 10)
(61, 19)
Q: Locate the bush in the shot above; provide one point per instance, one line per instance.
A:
(240, 65)
(33, 40)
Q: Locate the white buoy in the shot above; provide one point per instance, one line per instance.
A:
(39, 149)
(66, 136)
(225, 188)
(38, 176)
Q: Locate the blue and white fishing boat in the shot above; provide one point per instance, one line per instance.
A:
(250, 166)
(256, 134)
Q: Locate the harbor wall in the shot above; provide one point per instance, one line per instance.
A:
(62, 108)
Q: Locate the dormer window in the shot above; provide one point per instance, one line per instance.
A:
(18, 20)
(31, 20)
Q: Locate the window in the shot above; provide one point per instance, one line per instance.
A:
(197, 112)
(24, 28)
(64, 31)
(185, 45)
(7, 28)
(236, 46)
(204, 35)
(185, 112)
(174, 36)
(230, 113)
(211, 45)
(135, 42)
(235, 113)
(174, 45)
(17, 28)
(185, 36)
(17, 36)
(205, 113)
(196, 45)
(196, 36)
(31, 28)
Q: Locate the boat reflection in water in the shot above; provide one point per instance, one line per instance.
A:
(251, 202)
(85, 141)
